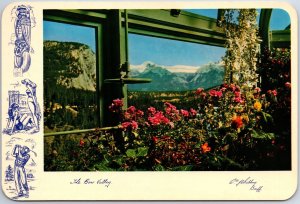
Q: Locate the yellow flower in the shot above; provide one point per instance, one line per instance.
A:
(257, 105)
(245, 118)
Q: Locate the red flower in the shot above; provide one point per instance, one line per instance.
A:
(134, 125)
(170, 107)
(193, 112)
(131, 109)
(237, 94)
(81, 142)
(126, 125)
(215, 93)
(151, 110)
(172, 112)
(118, 102)
(238, 100)
(116, 105)
(205, 148)
(232, 87)
(185, 113)
(199, 91)
(158, 118)
(127, 116)
(223, 89)
(257, 90)
(237, 122)
(139, 113)
(154, 139)
(225, 85)
(272, 92)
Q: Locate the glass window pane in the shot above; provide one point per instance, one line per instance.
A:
(280, 19)
(69, 77)
(175, 67)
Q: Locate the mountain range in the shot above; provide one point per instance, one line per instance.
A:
(73, 65)
(173, 78)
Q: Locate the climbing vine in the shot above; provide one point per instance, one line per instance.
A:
(242, 47)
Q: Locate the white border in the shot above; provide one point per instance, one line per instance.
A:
(160, 185)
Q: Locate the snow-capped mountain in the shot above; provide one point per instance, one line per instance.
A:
(176, 78)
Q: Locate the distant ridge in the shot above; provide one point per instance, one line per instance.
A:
(73, 65)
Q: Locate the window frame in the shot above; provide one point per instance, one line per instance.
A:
(87, 19)
(187, 26)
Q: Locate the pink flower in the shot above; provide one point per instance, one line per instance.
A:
(232, 87)
(272, 92)
(193, 112)
(139, 113)
(171, 111)
(185, 113)
(127, 116)
(118, 102)
(134, 125)
(169, 105)
(199, 91)
(223, 89)
(158, 118)
(126, 125)
(116, 105)
(238, 100)
(257, 90)
(287, 85)
(237, 94)
(131, 109)
(215, 93)
(151, 110)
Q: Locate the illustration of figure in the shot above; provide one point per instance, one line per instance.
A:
(32, 101)
(16, 121)
(23, 39)
(22, 156)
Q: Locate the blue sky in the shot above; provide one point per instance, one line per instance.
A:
(170, 52)
(158, 50)
(70, 33)
(280, 19)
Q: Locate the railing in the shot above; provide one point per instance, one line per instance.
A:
(53, 134)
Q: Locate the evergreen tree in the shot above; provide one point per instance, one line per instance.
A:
(9, 174)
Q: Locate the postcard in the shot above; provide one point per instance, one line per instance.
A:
(127, 101)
